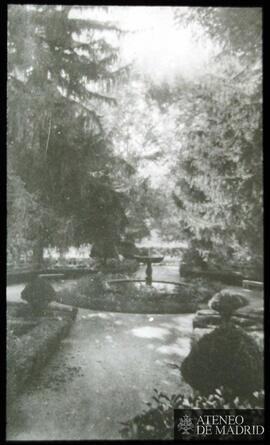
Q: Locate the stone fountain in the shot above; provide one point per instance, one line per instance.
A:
(148, 260)
(151, 296)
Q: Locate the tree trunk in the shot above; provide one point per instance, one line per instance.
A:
(38, 255)
(62, 252)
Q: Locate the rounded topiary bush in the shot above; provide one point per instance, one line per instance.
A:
(38, 293)
(226, 357)
(226, 302)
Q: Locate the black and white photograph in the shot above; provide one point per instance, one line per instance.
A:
(135, 284)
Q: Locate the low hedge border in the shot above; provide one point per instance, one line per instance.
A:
(17, 277)
(22, 276)
(27, 354)
(225, 277)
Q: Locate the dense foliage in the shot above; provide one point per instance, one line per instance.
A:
(96, 154)
(59, 159)
(218, 127)
(235, 29)
(157, 421)
(219, 190)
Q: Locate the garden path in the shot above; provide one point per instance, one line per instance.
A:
(104, 372)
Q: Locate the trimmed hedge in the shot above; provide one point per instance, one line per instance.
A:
(38, 293)
(26, 355)
(228, 277)
(19, 276)
(227, 357)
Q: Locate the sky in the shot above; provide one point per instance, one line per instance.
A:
(160, 49)
(155, 46)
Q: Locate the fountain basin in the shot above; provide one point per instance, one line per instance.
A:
(146, 258)
(149, 260)
(159, 297)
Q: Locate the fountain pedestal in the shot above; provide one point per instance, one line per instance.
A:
(148, 260)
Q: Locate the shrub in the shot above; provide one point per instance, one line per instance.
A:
(125, 266)
(193, 258)
(226, 357)
(38, 293)
(226, 302)
(204, 289)
(157, 422)
(128, 249)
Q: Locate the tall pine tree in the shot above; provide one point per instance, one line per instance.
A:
(59, 69)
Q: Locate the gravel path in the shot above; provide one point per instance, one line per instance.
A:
(103, 374)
